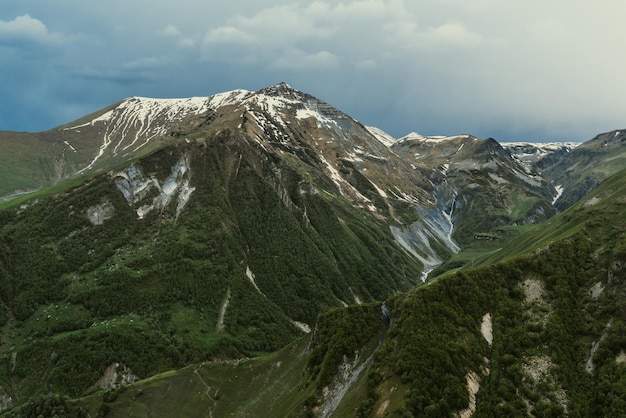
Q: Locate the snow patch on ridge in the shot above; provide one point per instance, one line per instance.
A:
(542, 146)
(381, 135)
(319, 118)
(528, 153)
(380, 191)
(414, 136)
(228, 98)
(272, 105)
(70, 145)
(137, 120)
(346, 189)
(559, 192)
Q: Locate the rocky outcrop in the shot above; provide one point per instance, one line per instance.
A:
(146, 193)
(99, 213)
(6, 401)
(114, 376)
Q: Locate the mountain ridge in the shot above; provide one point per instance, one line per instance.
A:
(397, 180)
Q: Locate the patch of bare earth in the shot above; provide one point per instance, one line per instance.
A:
(219, 327)
(590, 367)
(596, 290)
(486, 328)
(538, 373)
(387, 393)
(538, 309)
(473, 386)
(538, 370)
(534, 290)
(382, 408)
(114, 376)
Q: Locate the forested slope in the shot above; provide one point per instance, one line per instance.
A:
(538, 335)
(114, 271)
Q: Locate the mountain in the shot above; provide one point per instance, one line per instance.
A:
(224, 233)
(573, 168)
(586, 166)
(536, 335)
(415, 198)
(194, 234)
(116, 134)
(536, 156)
(480, 186)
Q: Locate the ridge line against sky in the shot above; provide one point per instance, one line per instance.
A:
(515, 71)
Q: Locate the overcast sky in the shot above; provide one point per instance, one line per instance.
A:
(532, 70)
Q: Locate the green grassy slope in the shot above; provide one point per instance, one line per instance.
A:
(541, 334)
(287, 383)
(26, 162)
(264, 386)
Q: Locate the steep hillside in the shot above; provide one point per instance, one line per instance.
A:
(586, 166)
(539, 335)
(213, 248)
(28, 162)
(537, 156)
(241, 221)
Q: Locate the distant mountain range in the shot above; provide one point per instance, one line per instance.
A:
(156, 234)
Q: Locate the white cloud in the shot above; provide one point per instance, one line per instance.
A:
(27, 28)
(366, 64)
(229, 35)
(325, 30)
(171, 31)
(402, 33)
(453, 33)
(548, 30)
(296, 59)
(275, 25)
